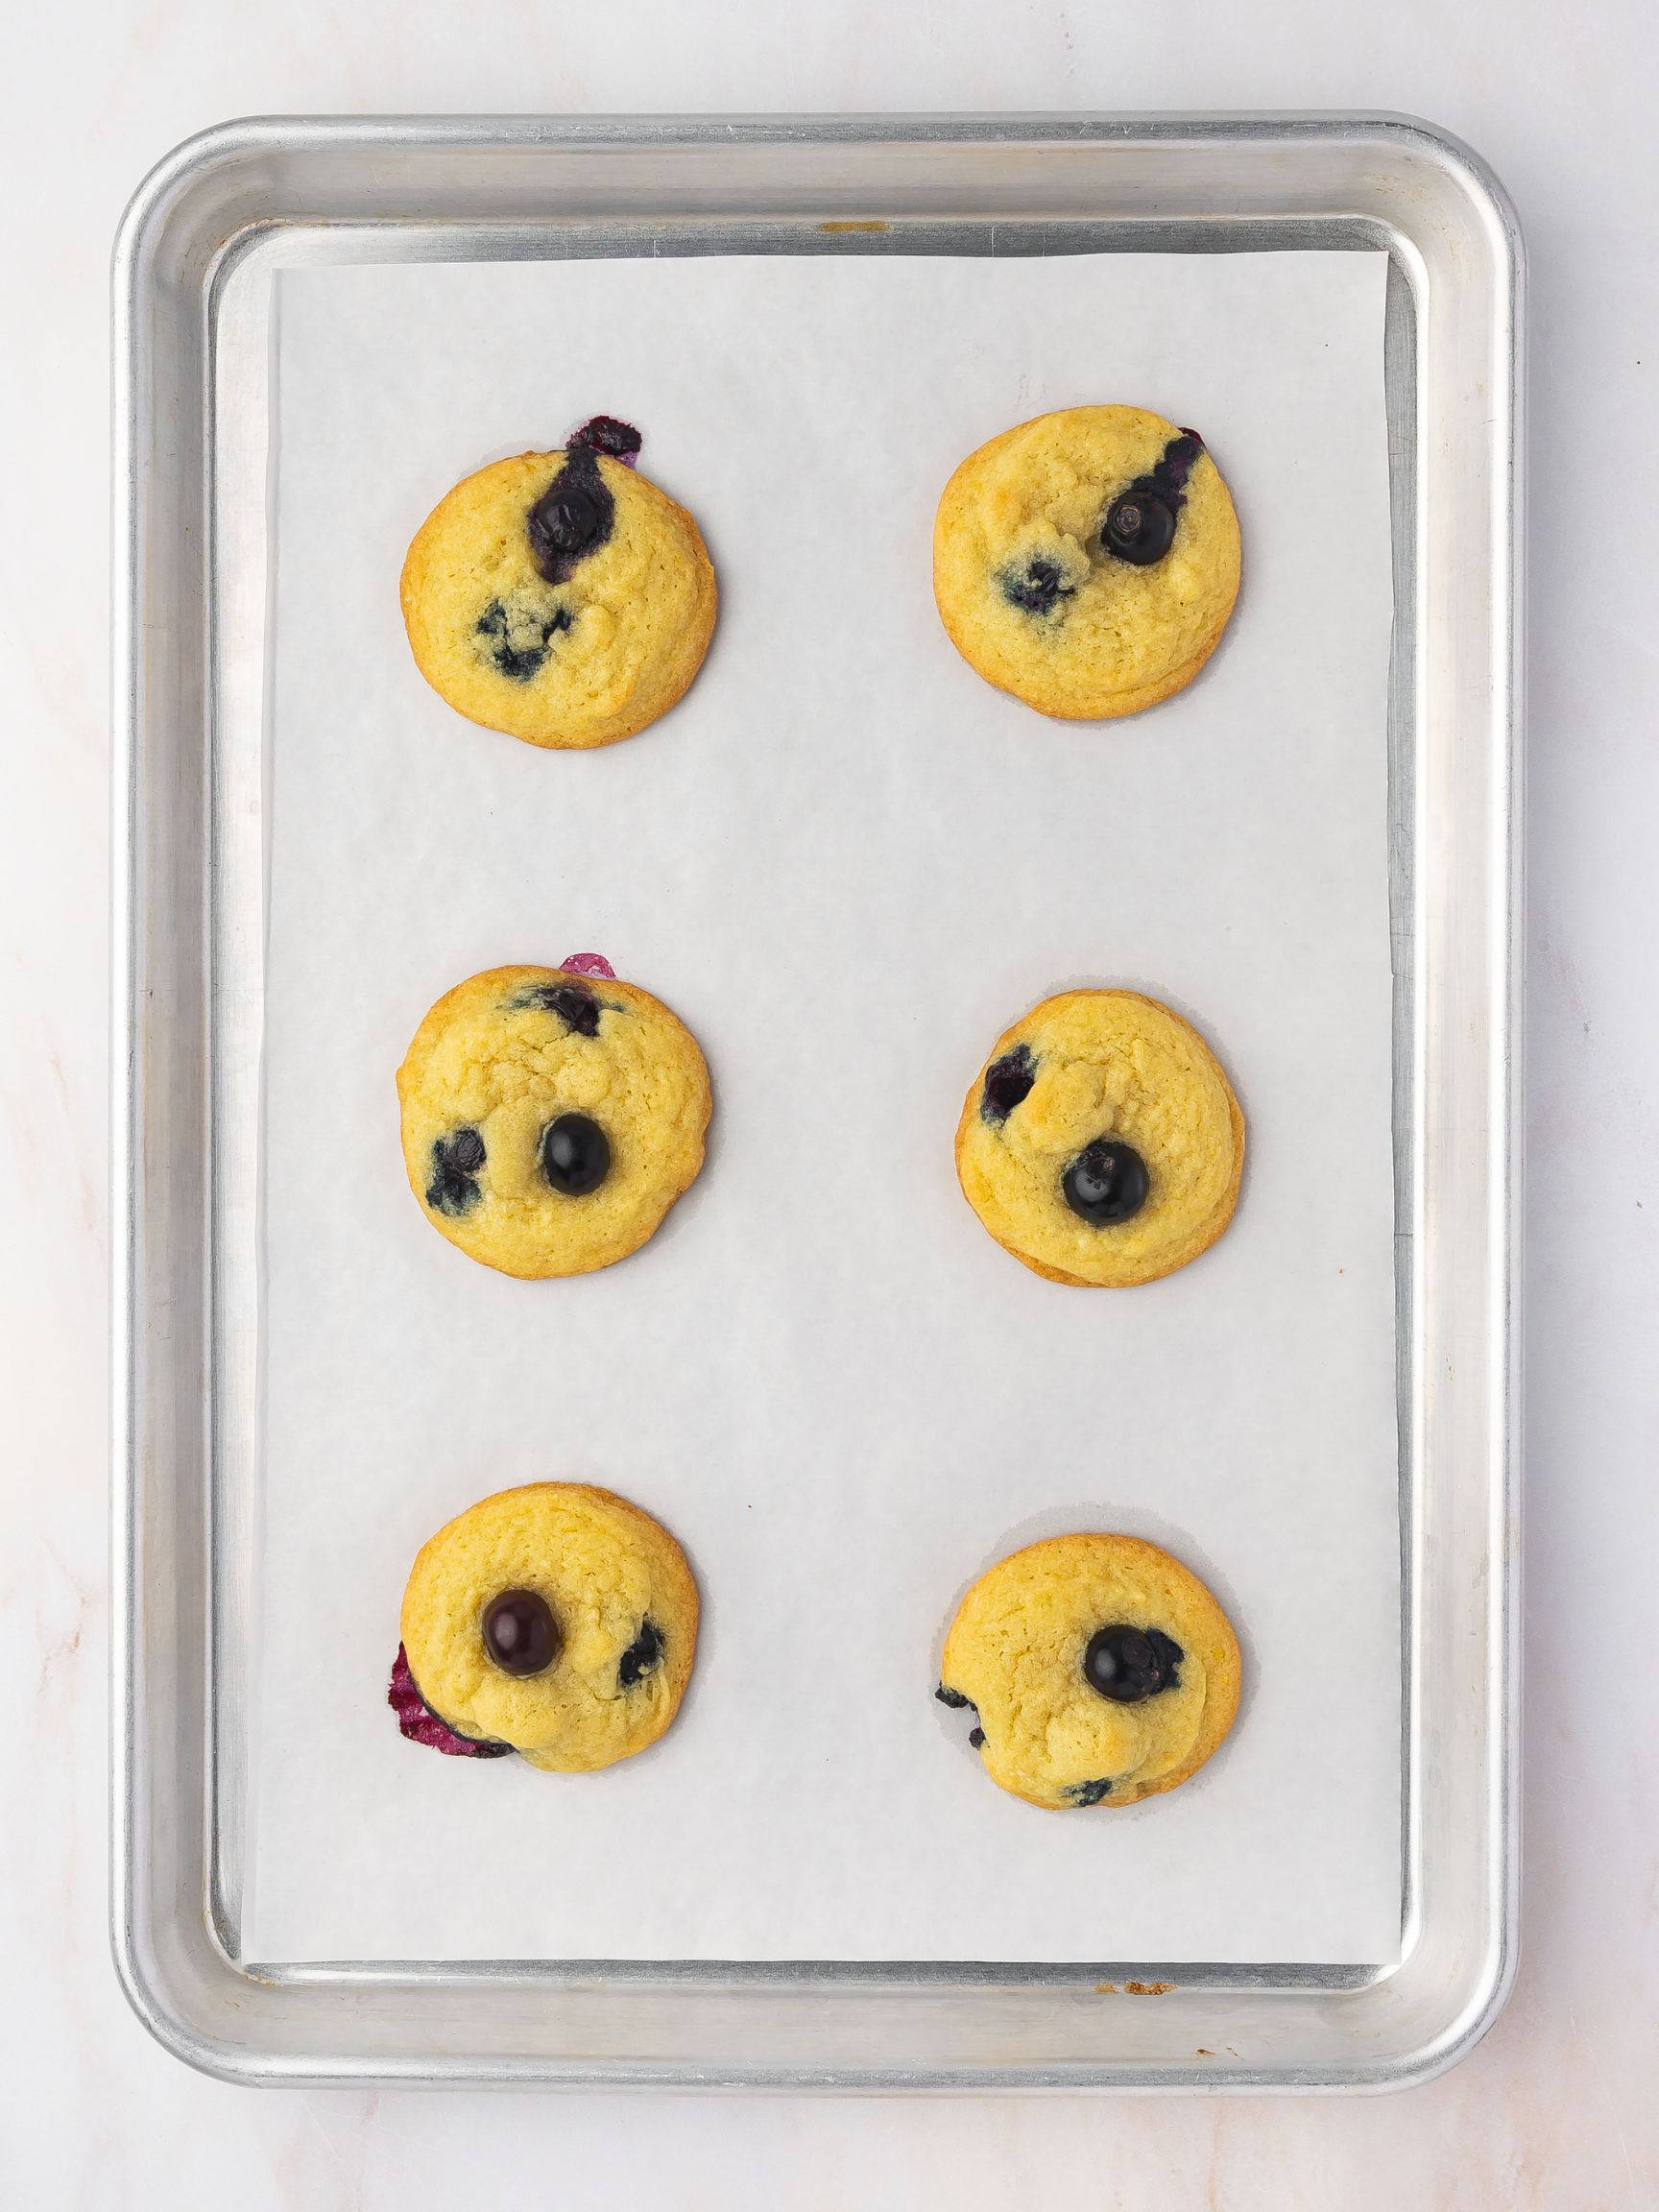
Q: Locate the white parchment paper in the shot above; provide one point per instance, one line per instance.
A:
(847, 863)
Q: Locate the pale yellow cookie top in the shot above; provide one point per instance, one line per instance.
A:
(1103, 1064)
(1016, 1648)
(497, 1057)
(604, 1568)
(1023, 514)
(578, 662)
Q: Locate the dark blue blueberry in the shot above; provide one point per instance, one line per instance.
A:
(640, 1656)
(1139, 528)
(1085, 1792)
(520, 661)
(520, 1634)
(1139, 524)
(606, 434)
(1107, 1182)
(573, 517)
(952, 1697)
(976, 1737)
(1037, 591)
(1007, 1081)
(575, 1155)
(1128, 1664)
(574, 1004)
(456, 1159)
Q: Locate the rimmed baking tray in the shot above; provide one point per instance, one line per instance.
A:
(194, 265)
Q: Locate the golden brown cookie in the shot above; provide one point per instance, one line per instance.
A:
(1100, 1670)
(560, 596)
(1101, 1143)
(1087, 561)
(551, 1117)
(556, 1621)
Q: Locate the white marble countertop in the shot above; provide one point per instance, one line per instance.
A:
(1557, 2107)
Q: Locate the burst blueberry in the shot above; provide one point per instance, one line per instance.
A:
(1007, 1081)
(573, 517)
(1128, 1664)
(456, 1159)
(575, 1006)
(517, 649)
(608, 434)
(1039, 591)
(1139, 524)
(1082, 1793)
(641, 1655)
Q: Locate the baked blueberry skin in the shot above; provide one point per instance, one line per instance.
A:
(1129, 1664)
(520, 662)
(1106, 1183)
(573, 517)
(1039, 591)
(641, 1655)
(456, 1159)
(419, 1724)
(1082, 1793)
(573, 1002)
(608, 434)
(1139, 524)
(1007, 1081)
(1138, 529)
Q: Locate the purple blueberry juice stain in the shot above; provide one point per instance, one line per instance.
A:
(588, 964)
(1139, 524)
(573, 517)
(416, 1720)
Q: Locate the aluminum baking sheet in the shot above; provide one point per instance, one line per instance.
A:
(496, 192)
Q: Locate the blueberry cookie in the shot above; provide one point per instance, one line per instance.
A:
(1087, 562)
(551, 1116)
(560, 597)
(1101, 1143)
(558, 1620)
(1100, 1671)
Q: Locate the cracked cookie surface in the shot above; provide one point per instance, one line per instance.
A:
(560, 597)
(1087, 561)
(622, 1609)
(1025, 1650)
(1101, 1143)
(550, 1118)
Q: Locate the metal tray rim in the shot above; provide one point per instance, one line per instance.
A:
(145, 1978)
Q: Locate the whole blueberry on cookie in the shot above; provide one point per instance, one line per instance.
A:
(1087, 561)
(560, 597)
(1101, 1143)
(551, 1117)
(1099, 1668)
(556, 1621)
